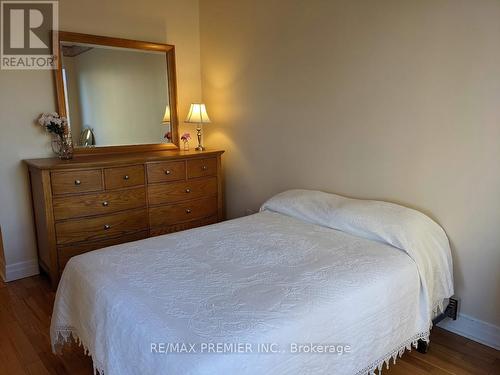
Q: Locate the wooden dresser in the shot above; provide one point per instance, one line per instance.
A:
(96, 201)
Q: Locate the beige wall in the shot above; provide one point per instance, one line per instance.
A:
(395, 100)
(25, 94)
(392, 100)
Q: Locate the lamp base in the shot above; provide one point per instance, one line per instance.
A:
(198, 134)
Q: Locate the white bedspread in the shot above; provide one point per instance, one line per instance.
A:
(263, 279)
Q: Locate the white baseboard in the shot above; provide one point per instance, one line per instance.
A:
(21, 270)
(474, 329)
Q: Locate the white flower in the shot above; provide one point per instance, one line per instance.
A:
(43, 119)
(53, 118)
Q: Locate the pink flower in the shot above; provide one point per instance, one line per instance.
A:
(186, 137)
(168, 136)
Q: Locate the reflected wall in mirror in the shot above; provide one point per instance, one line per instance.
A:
(117, 92)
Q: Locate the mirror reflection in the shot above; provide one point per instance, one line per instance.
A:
(115, 96)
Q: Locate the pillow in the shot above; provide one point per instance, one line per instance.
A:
(307, 205)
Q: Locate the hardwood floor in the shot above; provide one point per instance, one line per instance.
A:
(25, 308)
(26, 305)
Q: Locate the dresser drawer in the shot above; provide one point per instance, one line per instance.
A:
(66, 252)
(120, 177)
(181, 212)
(76, 181)
(74, 206)
(201, 167)
(166, 171)
(181, 191)
(100, 227)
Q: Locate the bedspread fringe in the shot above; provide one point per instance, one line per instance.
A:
(68, 335)
(395, 354)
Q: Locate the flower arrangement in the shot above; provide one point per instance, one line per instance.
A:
(62, 143)
(185, 138)
(53, 123)
(168, 135)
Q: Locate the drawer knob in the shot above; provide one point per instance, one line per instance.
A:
(107, 226)
(188, 190)
(167, 172)
(105, 203)
(204, 168)
(78, 182)
(188, 211)
(126, 177)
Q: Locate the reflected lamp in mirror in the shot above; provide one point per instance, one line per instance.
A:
(166, 116)
(198, 115)
(165, 124)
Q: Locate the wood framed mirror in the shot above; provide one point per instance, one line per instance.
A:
(119, 95)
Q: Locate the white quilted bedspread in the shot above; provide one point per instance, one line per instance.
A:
(264, 279)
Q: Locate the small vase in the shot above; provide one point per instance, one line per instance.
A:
(62, 145)
(186, 146)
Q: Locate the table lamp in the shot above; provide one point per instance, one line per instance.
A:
(198, 115)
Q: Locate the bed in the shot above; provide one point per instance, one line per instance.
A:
(314, 283)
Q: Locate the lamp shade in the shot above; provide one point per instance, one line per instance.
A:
(198, 114)
(166, 116)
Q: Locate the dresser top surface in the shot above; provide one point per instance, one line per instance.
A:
(97, 161)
